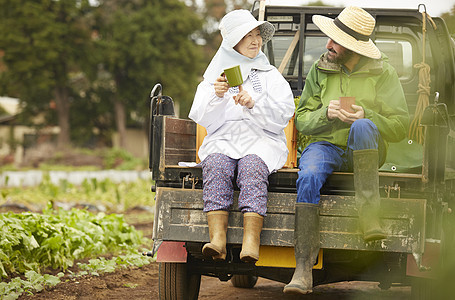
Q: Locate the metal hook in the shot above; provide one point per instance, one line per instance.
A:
(152, 93)
(155, 100)
(254, 5)
(424, 8)
(436, 97)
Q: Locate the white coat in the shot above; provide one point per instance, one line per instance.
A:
(237, 131)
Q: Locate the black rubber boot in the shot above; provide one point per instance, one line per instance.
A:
(366, 184)
(306, 247)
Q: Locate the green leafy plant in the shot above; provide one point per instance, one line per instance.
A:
(101, 265)
(34, 282)
(31, 241)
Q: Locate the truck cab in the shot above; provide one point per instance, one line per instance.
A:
(417, 180)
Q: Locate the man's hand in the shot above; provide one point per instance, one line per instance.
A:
(243, 98)
(348, 117)
(334, 111)
(221, 86)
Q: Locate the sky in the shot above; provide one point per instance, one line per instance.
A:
(434, 7)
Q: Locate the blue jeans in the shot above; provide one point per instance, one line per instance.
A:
(320, 159)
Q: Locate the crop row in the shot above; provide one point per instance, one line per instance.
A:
(55, 238)
(105, 194)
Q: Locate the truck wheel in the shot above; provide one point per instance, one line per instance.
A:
(176, 283)
(244, 281)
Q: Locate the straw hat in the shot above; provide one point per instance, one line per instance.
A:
(351, 29)
(236, 24)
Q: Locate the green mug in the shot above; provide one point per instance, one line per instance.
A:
(234, 76)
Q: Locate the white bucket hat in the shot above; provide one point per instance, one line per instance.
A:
(351, 29)
(236, 24)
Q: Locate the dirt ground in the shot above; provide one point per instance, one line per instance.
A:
(142, 283)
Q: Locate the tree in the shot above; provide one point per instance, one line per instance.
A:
(317, 3)
(144, 43)
(449, 18)
(45, 42)
(212, 11)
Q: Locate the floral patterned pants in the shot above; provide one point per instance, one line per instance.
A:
(252, 180)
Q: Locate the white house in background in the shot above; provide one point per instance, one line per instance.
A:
(10, 130)
(10, 105)
(26, 137)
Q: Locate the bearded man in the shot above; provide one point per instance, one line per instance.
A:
(344, 139)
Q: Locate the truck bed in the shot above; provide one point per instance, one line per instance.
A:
(182, 218)
(180, 215)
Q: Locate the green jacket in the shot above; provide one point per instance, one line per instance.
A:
(377, 89)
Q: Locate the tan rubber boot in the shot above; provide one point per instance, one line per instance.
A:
(252, 227)
(218, 221)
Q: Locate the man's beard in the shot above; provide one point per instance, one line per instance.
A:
(341, 58)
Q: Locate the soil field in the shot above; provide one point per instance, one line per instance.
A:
(142, 283)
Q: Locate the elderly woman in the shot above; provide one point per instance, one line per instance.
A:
(245, 131)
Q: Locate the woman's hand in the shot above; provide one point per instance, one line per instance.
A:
(243, 98)
(221, 86)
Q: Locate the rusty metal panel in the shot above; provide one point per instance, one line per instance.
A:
(180, 126)
(172, 252)
(402, 219)
(174, 140)
(174, 156)
(182, 219)
(179, 140)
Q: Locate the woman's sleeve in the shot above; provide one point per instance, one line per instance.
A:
(275, 107)
(208, 109)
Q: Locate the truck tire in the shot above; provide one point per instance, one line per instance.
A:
(176, 283)
(244, 281)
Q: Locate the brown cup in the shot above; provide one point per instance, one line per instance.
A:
(346, 104)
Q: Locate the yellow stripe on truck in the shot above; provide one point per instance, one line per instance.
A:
(273, 256)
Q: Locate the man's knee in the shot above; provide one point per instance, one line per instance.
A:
(311, 178)
(364, 131)
(363, 124)
(309, 171)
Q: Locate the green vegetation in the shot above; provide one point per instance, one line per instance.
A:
(93, 63)
(101, 265)
(115, 197)
(31, 242)
(83, 159)
(449, 18)
(33, 282)
(121, 159)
